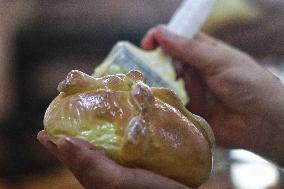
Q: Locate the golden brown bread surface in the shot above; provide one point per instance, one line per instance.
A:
(137, 126)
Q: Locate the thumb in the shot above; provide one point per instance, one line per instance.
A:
(202, 52)
(90, 166)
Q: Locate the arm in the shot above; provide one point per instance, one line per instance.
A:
(242, 101)
(273, 149)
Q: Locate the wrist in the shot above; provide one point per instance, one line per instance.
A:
(271, 130)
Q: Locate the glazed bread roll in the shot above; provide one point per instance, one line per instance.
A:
(137, 126)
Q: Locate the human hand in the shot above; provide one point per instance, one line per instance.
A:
(241, 101)
(94, 170)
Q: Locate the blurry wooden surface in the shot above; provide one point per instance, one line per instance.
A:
(55, 179)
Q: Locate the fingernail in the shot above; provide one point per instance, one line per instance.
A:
(40, 134)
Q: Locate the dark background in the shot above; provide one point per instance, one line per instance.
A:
(43, 40)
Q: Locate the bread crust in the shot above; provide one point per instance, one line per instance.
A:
(136, 125)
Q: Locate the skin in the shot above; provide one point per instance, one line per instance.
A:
(95, 171)
(241, 101)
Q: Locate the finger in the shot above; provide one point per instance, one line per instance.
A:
(76, 149)
(196, 91)
(149, 41)
(202, 52)
(45, 141)
(143, 179)
(90, 166)
(179, 67)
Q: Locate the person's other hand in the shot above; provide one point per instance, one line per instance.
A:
(95, 171)
(241, 100)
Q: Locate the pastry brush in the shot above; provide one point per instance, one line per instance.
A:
(156, 66)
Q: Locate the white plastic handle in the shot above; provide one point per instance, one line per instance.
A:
(190, 16)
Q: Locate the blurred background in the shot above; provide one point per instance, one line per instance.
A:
(41, 41)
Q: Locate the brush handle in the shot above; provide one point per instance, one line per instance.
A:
(190, 16)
